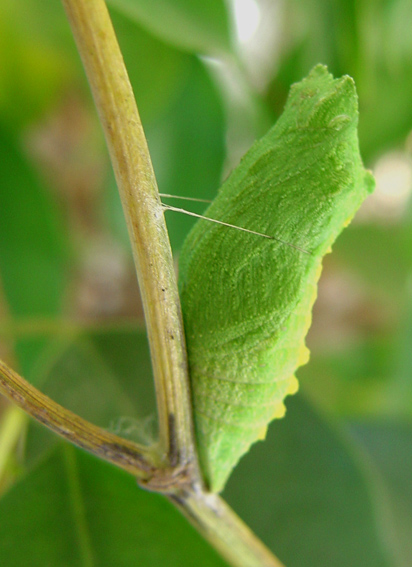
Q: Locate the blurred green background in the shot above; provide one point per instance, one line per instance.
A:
(331, 486)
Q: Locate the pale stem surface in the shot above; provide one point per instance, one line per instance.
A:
(213, 518)
(219, 524)
(114, 99)
(135, 459)
(125, 138)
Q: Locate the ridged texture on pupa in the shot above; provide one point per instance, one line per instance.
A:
(247, 300)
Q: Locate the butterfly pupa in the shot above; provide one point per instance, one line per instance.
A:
(247, 301)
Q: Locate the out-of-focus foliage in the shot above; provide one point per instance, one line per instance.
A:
(331, 485)
(369, 41)
(75, 510)
(198, 27)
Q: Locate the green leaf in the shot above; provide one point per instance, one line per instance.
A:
(125, 354)
(74, 511)
(33, 248)
(311, 495)
(32, 259)
(247, 299)
(156, 70)
(356, 377)
(374, 46)
(388, 445)
(201, 27)
(33, 67)
(398, 397)
(37, 42)
(105, 377)
(386, 245)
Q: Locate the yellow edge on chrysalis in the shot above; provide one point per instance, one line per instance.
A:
(293, 386)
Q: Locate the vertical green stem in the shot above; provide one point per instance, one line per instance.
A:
(219, 524)
(114, 99)
(136, 459)
(125, 138)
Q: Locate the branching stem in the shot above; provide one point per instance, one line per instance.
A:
(136, 459)
(219, 524)
(113, 95)
(171, 467)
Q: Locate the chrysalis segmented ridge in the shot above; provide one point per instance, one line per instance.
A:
(247, 302)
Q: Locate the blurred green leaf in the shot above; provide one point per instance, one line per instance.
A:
(306, 492)
(33, 70)
(200, 27)
(388, 445)
(331, 33)
(74, 511)
(398, 393)
(354, 378)
(38, 57)
(45, 25)
(366, 248)
(125, 354)
(371, 43)
(156, 70)
(367, 369)
(33, 251)
(33, 248)
(389, 98)
(106, 378)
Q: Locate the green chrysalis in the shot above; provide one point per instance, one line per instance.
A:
(247, 300)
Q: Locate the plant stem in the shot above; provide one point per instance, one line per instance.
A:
(113, 95)
(207, 512)
(219, 524)
(136, 459)
(180, 479)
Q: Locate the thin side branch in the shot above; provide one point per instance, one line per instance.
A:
(136, 459)
(105, 69)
